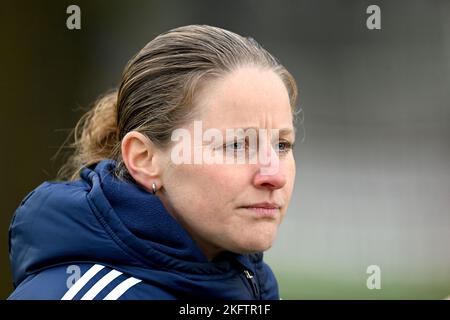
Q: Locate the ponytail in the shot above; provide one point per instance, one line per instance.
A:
(95, 137)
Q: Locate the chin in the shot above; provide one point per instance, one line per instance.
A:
(253, 249)
(255, 243)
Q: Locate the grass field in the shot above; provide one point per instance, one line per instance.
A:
(300, 286)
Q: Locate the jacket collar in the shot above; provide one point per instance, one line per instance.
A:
(141, 226)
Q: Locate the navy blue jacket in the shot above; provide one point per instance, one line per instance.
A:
(102, 238)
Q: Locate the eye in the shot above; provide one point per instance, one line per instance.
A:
(285, 146)
(236, 145)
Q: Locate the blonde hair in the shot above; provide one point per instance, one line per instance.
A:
(157, 90)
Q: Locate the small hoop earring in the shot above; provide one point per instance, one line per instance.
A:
(154, 188)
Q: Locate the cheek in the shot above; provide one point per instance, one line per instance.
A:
(209, 178)
(289, 170)
(204, 187)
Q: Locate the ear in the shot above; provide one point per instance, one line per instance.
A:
(141, 159)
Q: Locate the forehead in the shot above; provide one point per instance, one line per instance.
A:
(246, 97)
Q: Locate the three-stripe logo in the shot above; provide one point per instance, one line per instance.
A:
(118, 291)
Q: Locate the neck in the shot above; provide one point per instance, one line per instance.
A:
(209, 250)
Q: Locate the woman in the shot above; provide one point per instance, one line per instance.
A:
(132, 221)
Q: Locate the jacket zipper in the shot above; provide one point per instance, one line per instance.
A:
(252, 282)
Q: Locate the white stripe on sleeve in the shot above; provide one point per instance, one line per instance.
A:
(77, 286)
(121, 288)
(101, 284)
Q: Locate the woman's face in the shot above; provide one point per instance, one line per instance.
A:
(235, 206)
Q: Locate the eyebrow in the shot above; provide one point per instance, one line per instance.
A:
(282, 131)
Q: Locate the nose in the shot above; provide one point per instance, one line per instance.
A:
(270, 175)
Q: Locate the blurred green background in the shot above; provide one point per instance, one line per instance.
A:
(373, 173)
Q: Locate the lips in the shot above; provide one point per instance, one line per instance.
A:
(264, 205)
(264, 209)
